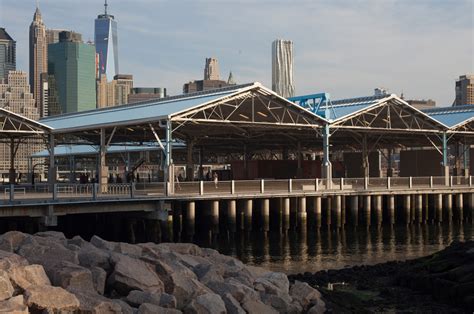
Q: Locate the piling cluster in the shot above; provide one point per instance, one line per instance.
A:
(332, 210)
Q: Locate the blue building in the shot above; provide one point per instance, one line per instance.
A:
(106, 45)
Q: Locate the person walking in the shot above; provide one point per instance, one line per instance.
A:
(216, 178)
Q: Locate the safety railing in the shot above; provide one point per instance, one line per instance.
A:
(71, 191)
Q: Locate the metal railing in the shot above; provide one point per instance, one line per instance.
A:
(72, 191)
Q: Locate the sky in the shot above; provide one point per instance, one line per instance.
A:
(346, 48)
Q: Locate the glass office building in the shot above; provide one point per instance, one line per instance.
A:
(106, 44)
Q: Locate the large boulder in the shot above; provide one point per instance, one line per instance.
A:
(148, 308)
(47, 253)
(54, 235)
(133, 274)
(10, 260)
(136, 298)
(103, 244)
(11, 240)
(91, 256)
(232, 305)
(91, 302)
(126, 309)
(6, 288)
(306, 295)
(50, 299)
(256, 306)
(69, 275)
(99, 277)
(23, 277)
(179, 280)
(168, 301)
(273, 283)
(208, 303)
(14, 305)
(233, 287)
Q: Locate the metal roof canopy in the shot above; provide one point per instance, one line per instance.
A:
(459, 119)
(386, 120)
(244, 114)
(15, 125)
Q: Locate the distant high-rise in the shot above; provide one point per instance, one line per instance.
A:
(464, 90)
(71, 67)
(115, 92)
(15, 96)
(282, 68)
(7, 54)
(38, 56)
(211, 69)
(106, 44)
(52, 35)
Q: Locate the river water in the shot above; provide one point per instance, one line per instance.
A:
(308, 250)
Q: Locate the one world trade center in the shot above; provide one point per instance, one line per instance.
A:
(106, 45)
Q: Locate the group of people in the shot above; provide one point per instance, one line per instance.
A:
(214, 176)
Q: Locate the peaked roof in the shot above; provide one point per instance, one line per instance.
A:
(338, 109)
(453, 117)
(4, 35)
(13, 124)
(158, 109)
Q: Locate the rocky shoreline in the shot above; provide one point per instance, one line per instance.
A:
(47, 273)
(439, 283)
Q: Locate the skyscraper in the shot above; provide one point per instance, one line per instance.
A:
(282, 68)
(15, 96)
(71, 64)
(7, 54)
(38, 56)
(106, 44)
(464, 90)
(211, 69)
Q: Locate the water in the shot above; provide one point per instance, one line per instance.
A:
(313, 250)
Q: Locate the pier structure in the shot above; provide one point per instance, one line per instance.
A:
(238, 153)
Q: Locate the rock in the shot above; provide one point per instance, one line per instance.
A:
(133, 274)
(14, 305)
(91, 302)
(23, 277)
(11, 240)
(206, 303)
(273, 283)
(317, 309)
(305, 294)
(179, 280)
(6, 288)
(10, 260)
(49, 254)
(182, 248)
(103, 244)
(50, 299)
(281, 303)
(148, 308)
(69, 275)
(208, 273)
(137, 297)
(99, 277)
(52, 234)
(90, 256)
(126, 309)
(232, 305)
(168, 301)
(128, 249)
(256, 306)
(256, 271)
(234, 288)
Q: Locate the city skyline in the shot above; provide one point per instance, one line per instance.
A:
(350, 49)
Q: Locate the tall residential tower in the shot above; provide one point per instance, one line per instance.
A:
(106, 45)
(282, 68)
(7, 54)
(38, 56)
(464, 90)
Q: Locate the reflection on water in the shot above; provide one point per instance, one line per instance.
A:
(325, 248)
